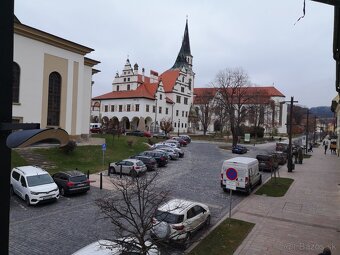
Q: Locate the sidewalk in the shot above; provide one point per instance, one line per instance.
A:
(305, 220)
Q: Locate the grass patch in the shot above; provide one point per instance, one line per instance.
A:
(17, 160)
(91, 157)
(278, 189)
(224, 239)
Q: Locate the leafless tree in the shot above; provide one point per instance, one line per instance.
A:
(232, 87)
(205, 109)
(132, 206)
(166, 125)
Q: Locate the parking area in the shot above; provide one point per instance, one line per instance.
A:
(73, 222)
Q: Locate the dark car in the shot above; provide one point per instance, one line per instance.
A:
(186, 138)
(135, 133)
(71, 182)
(267, 162)
(160, 157)
(281, 157)
(150, 162)
(161, 135)
(239, 149)
(181, 141)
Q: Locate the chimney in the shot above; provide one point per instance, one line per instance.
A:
(143, 70)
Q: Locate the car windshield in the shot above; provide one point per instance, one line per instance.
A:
(140, 163)
(79, 178)
(40, 179)
(169, 217)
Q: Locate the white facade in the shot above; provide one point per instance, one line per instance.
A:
(38, 54)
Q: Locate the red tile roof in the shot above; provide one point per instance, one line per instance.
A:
(265, 92)
(145, 90)
(169, 78)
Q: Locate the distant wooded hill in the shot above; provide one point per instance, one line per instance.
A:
(322, 112)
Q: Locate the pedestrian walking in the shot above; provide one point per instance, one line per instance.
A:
(310, 147)
(325, 142)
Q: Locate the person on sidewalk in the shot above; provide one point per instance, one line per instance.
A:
(310, 147)
(325, 144)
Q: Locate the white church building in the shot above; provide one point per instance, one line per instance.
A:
(141, 101)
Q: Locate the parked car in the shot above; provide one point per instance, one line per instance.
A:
(282, 146)
(267, 162)
(70, 182)
(133, 167)
(95, 128)
(171, 152)
(121, 246)
(281, 157)
(161, 135)
(174, 144)
(178, 145)
(150, 162)
(33, 184)
(239, 149)
(181, 141)
(135, 133)
(160, 157)
(186, 138)
(178, 219)
(160, 146)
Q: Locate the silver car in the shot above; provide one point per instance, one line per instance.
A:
(172, 153)
(133, 167)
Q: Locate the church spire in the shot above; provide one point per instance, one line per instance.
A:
(184, 57)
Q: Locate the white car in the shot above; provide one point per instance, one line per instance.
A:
(133, 167)
(122, 246)
(172, 145)
(33, 184)
(178, 219)
(160, 146)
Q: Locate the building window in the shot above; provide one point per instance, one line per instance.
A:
(185, 125)
(147, 108)
(120, 108)
(160, 97)
(176, 112)
(189, 83)
(54, 98)
(183, 79)
(182, 113)
(182, 89)
(185, 100)
(182, 124)
(128, 87)
(128, 78)
(175, 124)
(178, 99)
(106, 108)
(117, 87)
(186, 114)
(166, 110)
(15, 83)
(128, 107)
(160, 109)
(153, 108)
(112, 108)
(124, 79)
(137, 107)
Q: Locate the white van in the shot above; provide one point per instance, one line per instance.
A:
(246, 173)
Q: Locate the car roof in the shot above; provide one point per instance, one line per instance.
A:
(177, 206)
(73, 173)
(100, 247)
(131, 160)
(30, 170)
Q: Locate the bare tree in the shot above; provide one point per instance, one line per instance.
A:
(232, 86)
(205, 109)
(166, 125)
(132, 207)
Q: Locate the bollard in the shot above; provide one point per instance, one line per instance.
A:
(121, 171)
(101, 181)
(88, 174)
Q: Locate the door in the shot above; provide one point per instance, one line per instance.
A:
(200, 215)
(128, 167)
(22, 187)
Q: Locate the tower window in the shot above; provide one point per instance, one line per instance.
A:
(128, 87)
(117, 87)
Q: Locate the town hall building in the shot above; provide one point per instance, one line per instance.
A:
(141, 101)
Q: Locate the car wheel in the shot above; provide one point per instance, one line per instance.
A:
(62, 191)
(207, 222)
(27, 200)
(112, 170)
(249, 190)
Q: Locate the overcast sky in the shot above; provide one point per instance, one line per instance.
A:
(258, 36)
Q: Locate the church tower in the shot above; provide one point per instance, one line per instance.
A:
(184, 58)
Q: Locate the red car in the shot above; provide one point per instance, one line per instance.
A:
(181, 141)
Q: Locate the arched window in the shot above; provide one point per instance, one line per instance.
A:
(54, 97)
(15, 83)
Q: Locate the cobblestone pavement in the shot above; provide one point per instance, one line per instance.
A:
(73, 222)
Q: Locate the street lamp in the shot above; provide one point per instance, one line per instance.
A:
(179, 123)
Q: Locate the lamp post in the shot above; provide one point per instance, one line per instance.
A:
(179, 123)
(307, 131)
(290, 161)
